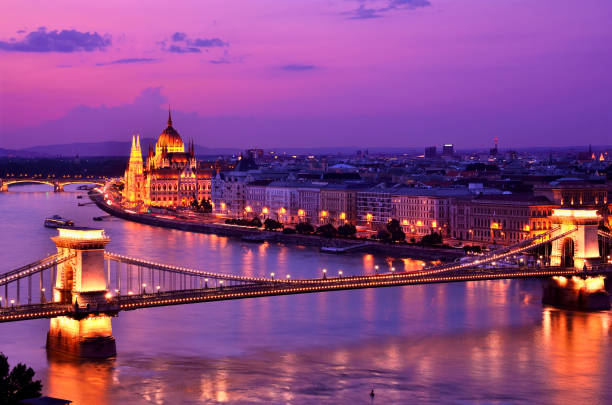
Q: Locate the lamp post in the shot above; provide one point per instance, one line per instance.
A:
(340, 273)
(376, 269)
(324, 273)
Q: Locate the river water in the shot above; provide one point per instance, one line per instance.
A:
(486, 342)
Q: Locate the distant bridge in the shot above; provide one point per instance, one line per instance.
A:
(57, 183)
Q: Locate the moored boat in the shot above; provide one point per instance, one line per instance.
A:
(58, 222)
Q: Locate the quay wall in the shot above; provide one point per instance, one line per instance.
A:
(416, 252)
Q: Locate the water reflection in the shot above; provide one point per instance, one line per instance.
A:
(489, 341)
(501, 365)
(80, 381)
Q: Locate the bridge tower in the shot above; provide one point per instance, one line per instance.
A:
(580, 247)
(81, 283)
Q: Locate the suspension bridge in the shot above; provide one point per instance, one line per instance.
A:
(82, 286)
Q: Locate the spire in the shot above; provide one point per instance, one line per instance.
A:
(169, 117)
(133, 141)
(138, 141)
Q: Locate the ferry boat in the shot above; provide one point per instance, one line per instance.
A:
(57, 222)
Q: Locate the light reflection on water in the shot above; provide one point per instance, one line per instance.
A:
(482, 341)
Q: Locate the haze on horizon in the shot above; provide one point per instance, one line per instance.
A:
(363, 73)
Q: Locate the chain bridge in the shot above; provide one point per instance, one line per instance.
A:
(83, 286)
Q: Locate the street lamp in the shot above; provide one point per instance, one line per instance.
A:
(340, 273)
(324, 273)
(288, 276)
(376, 268)
(272, 276)
(205, 283)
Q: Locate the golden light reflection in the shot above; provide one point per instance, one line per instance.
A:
(81, 382)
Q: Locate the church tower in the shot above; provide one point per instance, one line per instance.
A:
(133, 191)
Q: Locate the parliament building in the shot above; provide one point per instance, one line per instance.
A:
(171, 176)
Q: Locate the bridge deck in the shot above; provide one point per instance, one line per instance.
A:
(241, 291)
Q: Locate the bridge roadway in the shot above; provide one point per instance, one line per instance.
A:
(253, 290)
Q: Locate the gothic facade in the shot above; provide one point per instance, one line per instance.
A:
(171, 177)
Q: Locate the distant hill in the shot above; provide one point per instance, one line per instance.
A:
(20, 153)
(109, 148)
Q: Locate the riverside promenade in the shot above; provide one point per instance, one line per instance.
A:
(235, 231)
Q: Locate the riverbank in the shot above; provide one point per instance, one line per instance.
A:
(233, 231)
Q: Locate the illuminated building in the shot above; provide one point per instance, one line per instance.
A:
(500, 219)
(339, 202)
(171, 176)
(422, 211)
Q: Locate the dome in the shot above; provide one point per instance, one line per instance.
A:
(170, 138)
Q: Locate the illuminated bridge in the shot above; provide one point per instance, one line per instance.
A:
(83, 286)
(57, 183)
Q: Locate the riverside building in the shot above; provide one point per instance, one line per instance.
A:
(171, 177)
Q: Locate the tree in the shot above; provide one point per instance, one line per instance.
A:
(206, 205)
(304, 228)
(256, 222)
(383, 235)
(395, 230)
(327, 231)
(194, 203)
(289, 231)
(18, 384)
(347, 230)
(433, 238)
(272, 225)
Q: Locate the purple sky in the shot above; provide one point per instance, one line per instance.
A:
(397, 73)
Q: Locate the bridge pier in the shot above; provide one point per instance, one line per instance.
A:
(57, 186)
(586, 293)
(81, 282)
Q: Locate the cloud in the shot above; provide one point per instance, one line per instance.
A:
(65, 41)
(377, 8)
(126, 61)
(181, 49)
(298, 67)
(178, 36)
(183, 44)
(363, 13)
(220, 61)
(208, 42)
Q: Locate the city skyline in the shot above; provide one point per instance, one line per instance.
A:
(409, 73)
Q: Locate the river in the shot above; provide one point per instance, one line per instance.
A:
(488, 342)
